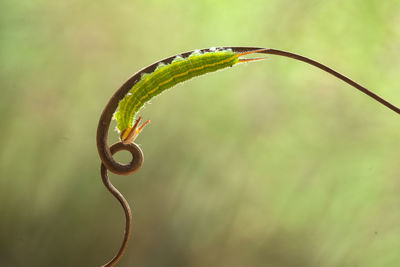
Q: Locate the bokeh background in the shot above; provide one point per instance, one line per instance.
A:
(269, 164)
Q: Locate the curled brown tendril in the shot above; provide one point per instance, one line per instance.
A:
(135, 164)
(106, 152)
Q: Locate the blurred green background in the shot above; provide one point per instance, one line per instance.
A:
(269, 164)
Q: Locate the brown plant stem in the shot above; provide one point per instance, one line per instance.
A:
(106, 153)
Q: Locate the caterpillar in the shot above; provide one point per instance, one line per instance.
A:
(166, 76)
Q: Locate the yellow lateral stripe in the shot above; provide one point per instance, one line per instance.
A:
(178, 75)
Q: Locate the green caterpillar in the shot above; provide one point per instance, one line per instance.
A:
(166, 76)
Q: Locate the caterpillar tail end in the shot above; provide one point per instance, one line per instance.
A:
(129, 135)
(243, 60)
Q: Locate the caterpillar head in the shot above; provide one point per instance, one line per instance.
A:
(129, 134)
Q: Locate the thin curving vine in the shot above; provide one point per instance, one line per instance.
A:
(154, 79)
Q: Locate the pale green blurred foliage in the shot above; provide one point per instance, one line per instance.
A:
(269, 164)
